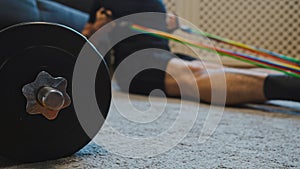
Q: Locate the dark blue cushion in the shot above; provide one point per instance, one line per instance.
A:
(82, 5)
(18, 11)
(55, 12)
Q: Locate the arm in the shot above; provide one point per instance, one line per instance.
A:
(88, 30)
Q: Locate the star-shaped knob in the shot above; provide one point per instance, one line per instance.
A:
(46, 95)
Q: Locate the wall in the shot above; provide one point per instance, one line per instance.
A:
(270, 24)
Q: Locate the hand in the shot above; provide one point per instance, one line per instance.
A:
(103, 17)
(172, 22)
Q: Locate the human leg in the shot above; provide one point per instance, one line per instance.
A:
(242, 86)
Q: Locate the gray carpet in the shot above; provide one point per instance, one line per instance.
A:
(249, 136)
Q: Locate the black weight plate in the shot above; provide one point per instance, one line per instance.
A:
(25, 51)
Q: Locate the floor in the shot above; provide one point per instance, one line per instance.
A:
(248, 136)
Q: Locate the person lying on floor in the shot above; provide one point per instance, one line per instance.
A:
(243, 85)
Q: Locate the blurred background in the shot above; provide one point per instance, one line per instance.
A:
(268, 24)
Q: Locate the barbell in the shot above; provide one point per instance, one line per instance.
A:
(38, 119)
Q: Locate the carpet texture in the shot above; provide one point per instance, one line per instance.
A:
(248, 136)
